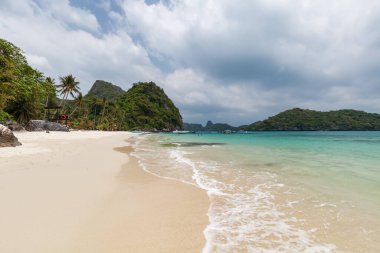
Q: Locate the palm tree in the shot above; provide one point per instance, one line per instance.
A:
(95, 105)
(104, 104)
(79, 101)
(49, 81)
(68, 86)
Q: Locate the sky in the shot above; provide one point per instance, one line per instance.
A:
(227, 61)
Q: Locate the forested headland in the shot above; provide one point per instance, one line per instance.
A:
(25, 93)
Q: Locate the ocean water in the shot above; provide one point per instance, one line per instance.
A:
(278, 191)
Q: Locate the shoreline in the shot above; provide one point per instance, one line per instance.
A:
(84, 192)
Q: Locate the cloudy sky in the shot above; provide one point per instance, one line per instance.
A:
(228, 61)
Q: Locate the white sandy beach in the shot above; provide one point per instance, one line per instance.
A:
(73, 192)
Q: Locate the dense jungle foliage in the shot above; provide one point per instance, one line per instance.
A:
(147, 106)
(25, 92)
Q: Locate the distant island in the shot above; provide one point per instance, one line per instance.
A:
(309, 120)
(303, 120)
(209, 127)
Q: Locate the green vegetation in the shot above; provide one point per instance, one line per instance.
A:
(147, 107)
(309, 120)
(303, 120)
(210, 127)
(149, 111)
(143, 107)
(218, 127)
(193, 127)
(102, 89)
(23, 90)
(68, 86)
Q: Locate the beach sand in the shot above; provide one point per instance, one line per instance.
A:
(82, 192)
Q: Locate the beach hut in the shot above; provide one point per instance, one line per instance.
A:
(52, 114)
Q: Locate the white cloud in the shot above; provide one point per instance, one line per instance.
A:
(56, 49)
(294, 50)
(117, 17)
(68, 15)
(196, 93)
(38, 62)
(235, 60)
(330, 36)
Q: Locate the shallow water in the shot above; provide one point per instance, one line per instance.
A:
(278, 191)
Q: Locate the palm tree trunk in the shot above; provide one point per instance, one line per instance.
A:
(64, 102)
(73, 111)
(104, 108)
(46, 104)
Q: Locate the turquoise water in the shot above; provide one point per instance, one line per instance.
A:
(278, 191)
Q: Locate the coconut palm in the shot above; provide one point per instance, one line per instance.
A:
(49, 81)
(104, 104)
(78, 102)
(68, 86)
(95, 107)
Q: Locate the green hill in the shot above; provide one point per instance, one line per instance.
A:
(103, 89)
(210, 127)
(24, 93)
(218, 127)
(147, 107)
(193, 127)
(309, 120)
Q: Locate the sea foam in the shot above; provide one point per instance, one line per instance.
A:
(242, 217)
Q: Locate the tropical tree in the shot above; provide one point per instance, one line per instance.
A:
(50, 81)
(104, 104)
(22, 89)
(11, 60)
(68, 86)
(95, 107)
(79, 102)
(116, 115)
